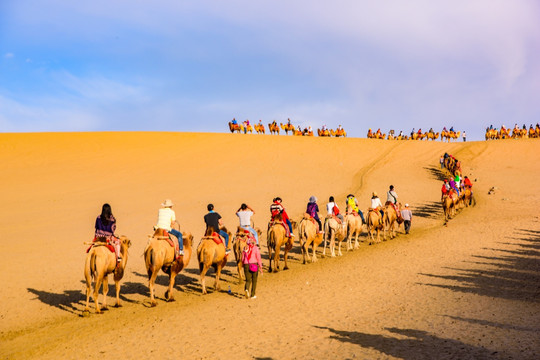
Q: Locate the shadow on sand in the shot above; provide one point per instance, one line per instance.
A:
(514, 277)
(418, 344)
(430, 210)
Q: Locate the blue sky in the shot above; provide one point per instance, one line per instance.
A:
(192, 66)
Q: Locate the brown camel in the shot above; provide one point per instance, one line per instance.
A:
(323, 133)
(374, 224)
(100, 262)
(354, 229)
(338, 133)
(308, 235)
(334, 231)
(275, 238)
(259, 128)
(159, 254)
(390, 220)
(273, 128)
(449, 202)
(209, 253)
(235, 127)
(239, 244)
(287, 128)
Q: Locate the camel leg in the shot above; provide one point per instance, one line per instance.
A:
(333, 244)
(305, 248)
(314, 258)
(203, 283)
(276, 258)
(169, 293)
(105, 290)
(97, 285)
(270, 259)
(240, 269)
(117, 288)
(288, 247)
(339, 248)
(151, 283)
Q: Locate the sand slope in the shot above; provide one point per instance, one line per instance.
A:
(469, 290)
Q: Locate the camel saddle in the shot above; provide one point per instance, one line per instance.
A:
(101, 241)
(282, 223)
(338, 220)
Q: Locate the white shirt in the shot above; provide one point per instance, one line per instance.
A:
(245, 217)
(391, 196)
(375, 203)
(165, 217)
(330, 208)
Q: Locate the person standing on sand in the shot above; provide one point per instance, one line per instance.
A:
(166, 221)
(244, 213)
(406, 214)
(464, 136)
(105, 227)
(441, 160)
(251, 259)
(213, 220)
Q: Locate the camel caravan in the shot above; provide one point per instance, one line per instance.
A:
(274, 129)
(516, 133)
(445, 135)
(456, 191)
(169, 250)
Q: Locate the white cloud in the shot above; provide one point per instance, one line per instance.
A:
(9, 55)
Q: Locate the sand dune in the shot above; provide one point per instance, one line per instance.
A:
(469, 290)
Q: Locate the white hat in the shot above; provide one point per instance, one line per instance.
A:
(406, 205)
(167, 203)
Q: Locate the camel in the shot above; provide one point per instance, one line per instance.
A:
(209, 253)
(239, 244)
(297, 132)
(323, 133)
(449, 202)
(259, 128)
(334, 231)
(449, 135)
(275, 238)
(100, 262)
(159, 254)
(308, 235)
(273, 128)
(287, 128)
(354, 229)
(235, 127)
(248, 129)
(338, 133)
(374, 223)
(389, 220)
(432, 136)
(370, 134)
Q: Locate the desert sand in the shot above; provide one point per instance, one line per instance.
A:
(469, 290)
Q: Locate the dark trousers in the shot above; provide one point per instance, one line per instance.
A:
(320, 224)
(407, 225)
(251, 280)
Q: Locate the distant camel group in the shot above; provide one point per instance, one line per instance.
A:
(273, 128)
(159, 253)
(415, 135)
(515, 133)
(454, 200)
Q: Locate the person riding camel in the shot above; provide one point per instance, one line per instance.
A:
(288, 121)
(452, 129)
(332, 209)
(376, 203)
(391, 196)
(234, 122)
(431, 130)
(452, 184)
(276, 209)
(213, 220)
(352, 206)
(166, 221)
(444, 189)
(105, 227)
(244, 213)
(313, 211)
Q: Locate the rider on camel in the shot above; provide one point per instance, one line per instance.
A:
(166, 221)
(275, 209)
(105, 227)
(213, 220)
(352, 205)
(332, 209)
(376, 203)
(313, 211)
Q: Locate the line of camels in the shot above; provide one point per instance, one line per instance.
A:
(429, 135)
(515, 133)
(274, 128)
(159, 253)
(452, 202)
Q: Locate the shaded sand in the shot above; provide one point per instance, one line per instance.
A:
(469, 290)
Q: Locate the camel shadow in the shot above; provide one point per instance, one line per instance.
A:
(436, 172)
(64, 301)
(513, 277)
(430, 210)
(419, 344)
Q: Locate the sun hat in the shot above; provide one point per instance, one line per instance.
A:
(406, 205)
(374, 193)
(312, 199)
(167, 203)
